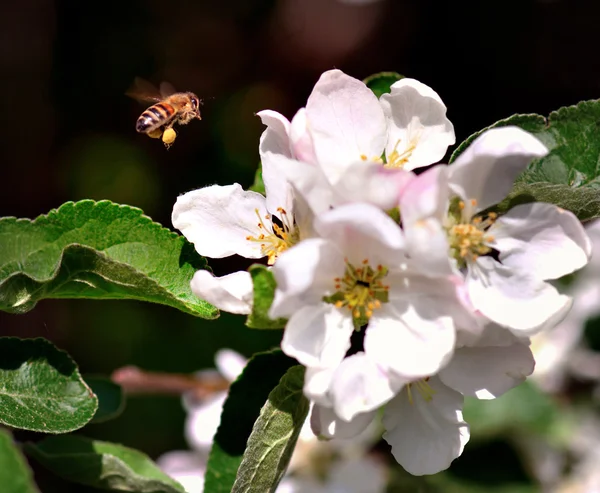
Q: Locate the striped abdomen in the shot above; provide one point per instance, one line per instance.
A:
(155, 116)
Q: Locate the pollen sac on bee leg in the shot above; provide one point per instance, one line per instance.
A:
(168, 137)
(156, 133)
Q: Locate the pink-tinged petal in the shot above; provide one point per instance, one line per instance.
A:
(345, 120)
(542, 239)
(362, 231)
(486, 170)
(426, 435)
(488, 372)
(410, 337)
(230, 363)
(304, 274)
(423, 206)
(303, 148)
(218, 220)
(418, 127)
(232, 293)
(307, 180)
(359, 385)
(326, 424)
(369, 182)
(318, 335)
(514, 299)
(426, 196)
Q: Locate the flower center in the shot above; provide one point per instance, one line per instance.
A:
(468, 236)
(422, 387)
(275, 238)
(361, 290)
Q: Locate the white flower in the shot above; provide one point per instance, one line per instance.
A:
(226, 220)
(355, 274)
(534, 242)
(348, 123)
(331, 151)
(423, 421)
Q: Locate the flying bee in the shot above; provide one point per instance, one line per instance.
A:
(170, 107)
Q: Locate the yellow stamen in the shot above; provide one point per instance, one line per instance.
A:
(275, 239)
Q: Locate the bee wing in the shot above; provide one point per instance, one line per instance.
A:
(166, 89)
(142, 90)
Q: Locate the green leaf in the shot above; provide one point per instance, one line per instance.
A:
(101, 465)
(259, 184)
(247, 396)
(569, 175)
(264, 291)
(41, 388)
(380, 83)
(15, 475)
(274, 436)
(96, 250)
(111, 400)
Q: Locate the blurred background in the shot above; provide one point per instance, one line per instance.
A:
(68, 134)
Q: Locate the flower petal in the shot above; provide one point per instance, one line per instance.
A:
(275, 148)
(426, 435)
(326, 424)
(230, 363)
(411, 336)
(542, 239)
(359, 385)
(369, 182)
(345, 119)
(423, 207)
(514, 299)
(275, 139)
(202, 422)
(318, 335)
(232, 293)
(316, 384)
(308, 181)
(304, 274)
(487, 169)
(218, 220)
(417, 123)
(362, 231)
(301, 138)
(488, 372)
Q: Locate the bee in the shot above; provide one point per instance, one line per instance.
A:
(170, 107)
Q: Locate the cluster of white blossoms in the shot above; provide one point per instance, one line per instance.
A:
(400, 290)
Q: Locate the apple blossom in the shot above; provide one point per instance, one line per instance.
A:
(356, 273)
(332, 150)
(423, 420)
(505, 260)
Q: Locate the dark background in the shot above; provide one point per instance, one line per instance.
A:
(68, 133)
